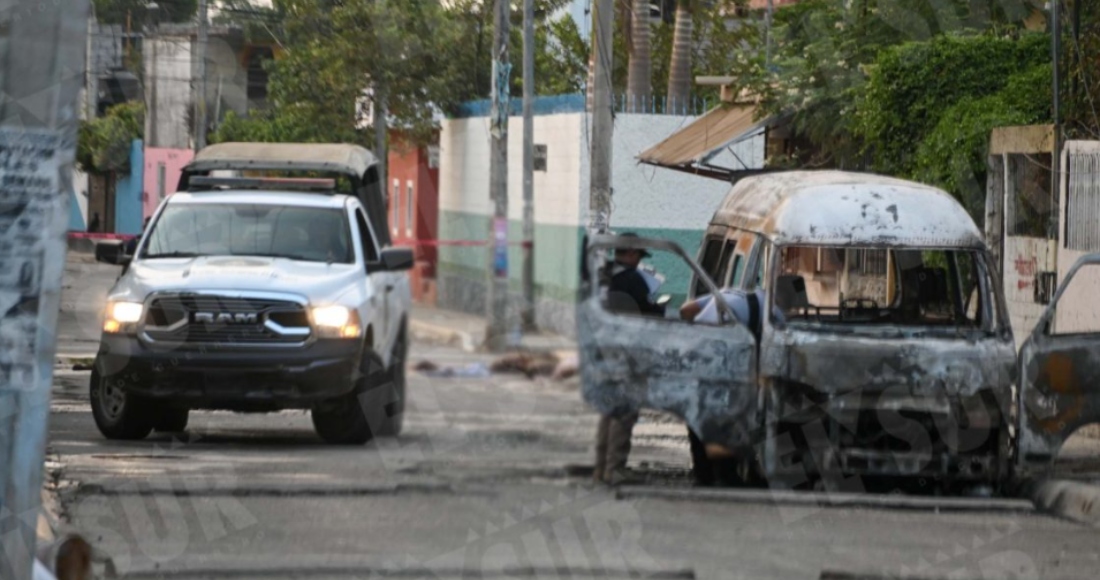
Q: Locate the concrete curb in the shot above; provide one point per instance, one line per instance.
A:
(421, 330)
(836, 500)
(1072, 500)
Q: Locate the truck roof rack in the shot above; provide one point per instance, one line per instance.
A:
(317, 185)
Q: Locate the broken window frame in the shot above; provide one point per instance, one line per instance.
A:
(992, 318)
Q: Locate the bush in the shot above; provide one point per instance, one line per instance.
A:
(910, 84)
(953, 155)
(103, 144)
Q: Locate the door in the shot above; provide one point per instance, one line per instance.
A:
(1059, 370)
(377, 294)
(704, 374)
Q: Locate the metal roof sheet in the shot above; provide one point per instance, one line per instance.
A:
(695, 144)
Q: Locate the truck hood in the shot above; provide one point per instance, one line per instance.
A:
(317, 281)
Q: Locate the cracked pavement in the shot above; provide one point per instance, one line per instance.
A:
(483, 484)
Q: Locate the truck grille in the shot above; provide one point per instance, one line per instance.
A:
(207, 319)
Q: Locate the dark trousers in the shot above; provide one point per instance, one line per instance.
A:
(613, 444)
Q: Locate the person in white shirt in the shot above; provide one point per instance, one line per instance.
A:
(703, 310)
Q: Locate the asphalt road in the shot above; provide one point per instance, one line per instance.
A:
(480, 486)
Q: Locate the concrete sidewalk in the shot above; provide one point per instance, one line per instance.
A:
(468, 331)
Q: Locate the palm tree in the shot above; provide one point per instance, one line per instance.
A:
(679, 72)
(638, 81)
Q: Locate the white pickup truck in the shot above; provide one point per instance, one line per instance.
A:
(257, 294)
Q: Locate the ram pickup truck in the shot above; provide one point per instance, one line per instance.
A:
(257, 294)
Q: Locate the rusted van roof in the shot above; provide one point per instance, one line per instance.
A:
(342, 158)
(840, 208)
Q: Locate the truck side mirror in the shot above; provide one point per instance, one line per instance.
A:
(113, 253)
(397, 259)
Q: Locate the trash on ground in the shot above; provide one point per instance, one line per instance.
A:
(473, 370)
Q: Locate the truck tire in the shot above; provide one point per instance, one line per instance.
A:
(117, 414)
(392, 419)
(342, 421)
(354, 418)
(171, 420)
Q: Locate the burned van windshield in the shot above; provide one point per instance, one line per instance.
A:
(864, 285)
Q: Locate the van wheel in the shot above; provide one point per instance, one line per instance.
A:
(702, 470)
(171, 420)
(117, 414)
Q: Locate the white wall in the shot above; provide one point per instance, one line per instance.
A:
(645, 196)
(464, 168)
(168, 91)
(1023, 259)
(224, 66)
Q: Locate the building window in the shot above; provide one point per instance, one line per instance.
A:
(1083, 202)
(540, 158)
(433, 156)
(257, 77)
(162, 178)
(395, 206)
(409, 192)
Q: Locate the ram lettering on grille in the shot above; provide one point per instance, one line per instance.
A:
(227, 317)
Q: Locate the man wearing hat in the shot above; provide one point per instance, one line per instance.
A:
(629, 292)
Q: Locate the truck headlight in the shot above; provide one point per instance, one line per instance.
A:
(337, 322)
(121, 314)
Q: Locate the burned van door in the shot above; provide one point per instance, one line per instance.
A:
(704, 374)
(1059, 371)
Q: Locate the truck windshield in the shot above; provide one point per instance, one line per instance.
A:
(910, 287)
(296, 233)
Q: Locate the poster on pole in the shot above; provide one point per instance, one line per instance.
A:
(29, 184)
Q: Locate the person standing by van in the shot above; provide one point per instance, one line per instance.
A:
(628, 293)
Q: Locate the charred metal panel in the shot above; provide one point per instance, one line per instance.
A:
(920, 367)
(1060, 384)
(704, 374)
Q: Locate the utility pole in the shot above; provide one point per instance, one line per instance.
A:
(200, 102)
(599, 203)
(378, 102)
(769, 13)
(1056, 157)
(529, 165)
(41, 74)
(496, 333)
(91, 75)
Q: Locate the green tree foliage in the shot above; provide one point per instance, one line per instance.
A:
(1081, 108)
(912, 85)
(824, 49)
(116, 11)
(103, 144)
(427, 56)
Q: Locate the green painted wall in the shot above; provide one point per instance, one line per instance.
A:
(557, 255)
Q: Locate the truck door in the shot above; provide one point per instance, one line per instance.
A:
(1059, 369)
(377, 281)
(704, 374)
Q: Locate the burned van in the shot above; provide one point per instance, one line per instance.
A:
(877, 344)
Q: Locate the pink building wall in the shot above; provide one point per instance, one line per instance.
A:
(173, 161)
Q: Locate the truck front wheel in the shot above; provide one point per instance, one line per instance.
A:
(118, 415)
(373, 407)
